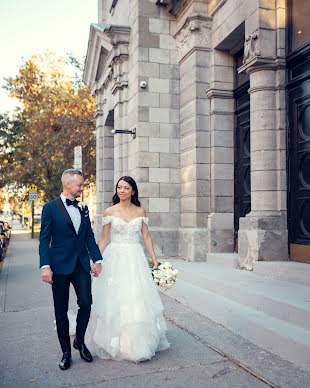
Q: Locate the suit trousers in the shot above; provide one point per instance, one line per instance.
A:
(81, 281)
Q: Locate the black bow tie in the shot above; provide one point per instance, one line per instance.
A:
(73, 203)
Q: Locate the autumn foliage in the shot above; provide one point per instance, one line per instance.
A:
(56, 115)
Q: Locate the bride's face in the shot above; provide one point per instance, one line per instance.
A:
(124, 191)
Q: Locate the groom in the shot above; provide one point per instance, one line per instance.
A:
(66, 245)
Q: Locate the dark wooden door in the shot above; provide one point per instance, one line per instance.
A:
(242, 195)
(299, 154)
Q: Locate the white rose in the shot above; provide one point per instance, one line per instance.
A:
(167, 265)
(175, 272)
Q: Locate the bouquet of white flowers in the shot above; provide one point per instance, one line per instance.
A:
(165, 275)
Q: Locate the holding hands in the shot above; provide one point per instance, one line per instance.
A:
(96, 269)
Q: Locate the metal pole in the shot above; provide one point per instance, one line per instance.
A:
(32, 223)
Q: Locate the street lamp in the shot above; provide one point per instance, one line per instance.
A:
(124, 131)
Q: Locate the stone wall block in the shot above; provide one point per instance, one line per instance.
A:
(263, 101)
(149, 99)
(159, 55)
(170, 190)
(159, 85)
(263, 180)
(148, 69)
(222, 204)
(263, 140)
(159, 145)
(167, 42)
(159, 205)
(143, 113)
(141, 174)
(159, 26)
(222, 155)
(148, 189)
(222, 171)
(169, 160)
(174, 146)
(222, 187)
(160, 115)
(169, 71)
(264, 200)
(169, 130)
(171, 101)
(159, 174)
(263, 119)
(189, 204)
(147, 159)
(146, 38)
(148, 129)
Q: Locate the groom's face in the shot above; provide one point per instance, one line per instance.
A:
(76, 186)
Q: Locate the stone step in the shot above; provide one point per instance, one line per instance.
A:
(223, 259)
(289, 341)
(289, 271)
(282, 300)
(273, 314)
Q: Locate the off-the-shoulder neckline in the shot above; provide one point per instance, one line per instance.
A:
(136, 218)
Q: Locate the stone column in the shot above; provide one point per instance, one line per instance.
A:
(104, 169)
(193, 42)
(263, 232)
(221, 95)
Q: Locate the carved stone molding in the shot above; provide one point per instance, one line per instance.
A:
(251, 47)
(175, 7)
(195, 33)
(107, 57)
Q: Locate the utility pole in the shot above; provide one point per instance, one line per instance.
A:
(32, 221)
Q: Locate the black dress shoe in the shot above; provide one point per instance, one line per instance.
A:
(65, 361)
(84, 352)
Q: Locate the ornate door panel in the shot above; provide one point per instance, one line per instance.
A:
(299, 156)
(242, 195)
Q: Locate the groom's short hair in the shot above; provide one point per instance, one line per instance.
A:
(70, 173)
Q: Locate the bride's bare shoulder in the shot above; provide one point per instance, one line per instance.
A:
(110, 211)
(141, 211)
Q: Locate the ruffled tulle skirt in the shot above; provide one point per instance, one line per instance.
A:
(127, 314)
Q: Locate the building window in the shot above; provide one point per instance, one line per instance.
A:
(299, 23)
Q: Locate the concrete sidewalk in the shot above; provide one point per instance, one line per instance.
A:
(202, 354)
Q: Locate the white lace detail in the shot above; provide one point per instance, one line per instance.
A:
(123, 232)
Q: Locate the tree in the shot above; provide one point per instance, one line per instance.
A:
(37, 145)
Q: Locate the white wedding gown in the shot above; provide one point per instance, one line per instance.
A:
(127, 314)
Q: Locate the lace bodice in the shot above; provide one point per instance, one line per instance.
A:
(123, 232)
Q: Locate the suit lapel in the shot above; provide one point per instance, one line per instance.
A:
(64, 213)
(82, 220)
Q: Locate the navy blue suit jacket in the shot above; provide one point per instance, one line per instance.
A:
(60, 245)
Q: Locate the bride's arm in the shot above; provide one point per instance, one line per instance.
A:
(149, 243)
(103, 241)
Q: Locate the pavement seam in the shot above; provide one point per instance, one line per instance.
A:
(230, 358)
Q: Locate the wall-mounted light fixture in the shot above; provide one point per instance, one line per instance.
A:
(124, 131)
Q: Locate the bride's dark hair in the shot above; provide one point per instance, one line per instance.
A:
(134, 197)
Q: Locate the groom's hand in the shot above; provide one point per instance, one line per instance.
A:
(47, 275)
(96, 269)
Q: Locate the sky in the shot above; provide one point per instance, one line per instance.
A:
(32, 26)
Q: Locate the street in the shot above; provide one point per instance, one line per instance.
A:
(202, 353)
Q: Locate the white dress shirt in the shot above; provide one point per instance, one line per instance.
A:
(75, 215)
(73, 212)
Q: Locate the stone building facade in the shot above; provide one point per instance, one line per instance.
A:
(195, 100)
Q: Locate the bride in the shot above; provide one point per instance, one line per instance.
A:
(127, 314)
